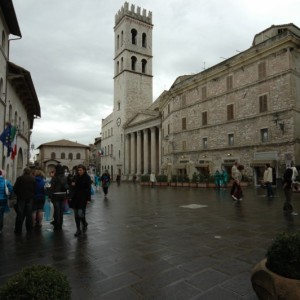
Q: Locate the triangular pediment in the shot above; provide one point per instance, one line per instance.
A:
(143, 117)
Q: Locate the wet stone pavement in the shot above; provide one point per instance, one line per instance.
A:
(157, 243)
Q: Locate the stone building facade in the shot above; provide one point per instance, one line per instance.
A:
(243, 109)
(67, 153)
(19, 104)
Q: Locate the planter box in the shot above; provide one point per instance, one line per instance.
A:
(211, 185)
(202, 184)
(164, 183)
(186, 184)
(269, 285)
(193, 184)
(173, 183)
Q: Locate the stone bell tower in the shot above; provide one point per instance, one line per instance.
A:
(132, 71)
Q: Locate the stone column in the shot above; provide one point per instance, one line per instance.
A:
(139, 153)
(127, 156)
(159, 150)
(133, 154)
(146, 152)
(153, 150)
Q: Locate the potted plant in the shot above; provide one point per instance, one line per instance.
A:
(194, 181)
(162, 180)
(278, 275)
(37, 282)
(173, 180)
(185, 180)
(211, 181)
(203, 181)
(145, 180)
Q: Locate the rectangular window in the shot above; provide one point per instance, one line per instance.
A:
(204, 92)
(204, 118)
(230, 139)
(183, 100)
(264, 134)
(230, 112)
(169, 109)
(263, 103)
(262, 70)
(183, 145)
(204, 143)
(168, 129)
(229, 81)
(183, 122)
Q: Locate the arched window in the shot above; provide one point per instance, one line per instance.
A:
(133, 63)
(77, 155)
(144, 40)
(52, 155)
(108, 150)
(133, 36)
(118, 67)
(122, 63)
(144, 64)
(118, 41)
(122, 37)
(70, 156)
(111, 149)
(63, 155)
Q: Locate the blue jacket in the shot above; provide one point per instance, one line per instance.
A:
(39, 192)
(3, 197)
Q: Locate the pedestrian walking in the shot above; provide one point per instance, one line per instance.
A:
(81, 195)
(152, 179)
(238, 193)
(58, 192)
(39, 198)
(288, 191)
(4, 185)
(24, 189)
(105, 182)
(268, 180)
(234, 175)
(218, 179)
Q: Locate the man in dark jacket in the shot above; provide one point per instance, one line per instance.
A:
(24, 189)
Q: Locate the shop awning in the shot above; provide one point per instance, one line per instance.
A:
(260, 163)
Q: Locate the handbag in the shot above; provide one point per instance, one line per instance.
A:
(7, 192)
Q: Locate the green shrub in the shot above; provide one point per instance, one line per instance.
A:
(162, 178)
(283, 256)
(35, 283)
(195, 177)
(145, 178)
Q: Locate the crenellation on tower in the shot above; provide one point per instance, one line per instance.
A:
(134, 13)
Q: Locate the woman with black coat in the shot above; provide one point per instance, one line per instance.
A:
(81, 195)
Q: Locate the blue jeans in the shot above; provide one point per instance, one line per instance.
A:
(269, 189)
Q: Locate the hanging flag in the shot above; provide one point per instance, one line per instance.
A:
(13, 137)
(5, 138)
(99, 152)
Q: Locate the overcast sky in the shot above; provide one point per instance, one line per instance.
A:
(68, 47)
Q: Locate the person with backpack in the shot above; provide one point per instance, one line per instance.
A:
(58, 192)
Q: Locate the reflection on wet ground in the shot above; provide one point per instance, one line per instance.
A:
(157, 243)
